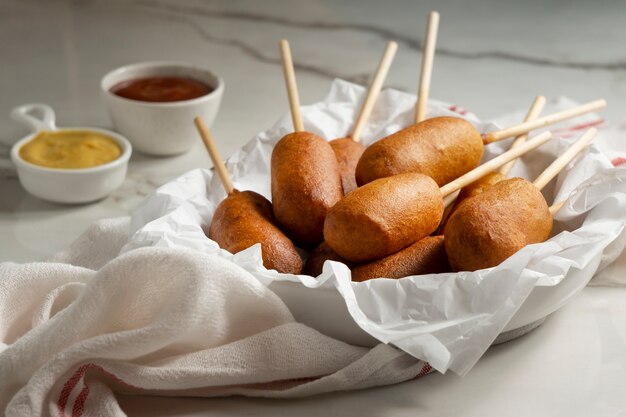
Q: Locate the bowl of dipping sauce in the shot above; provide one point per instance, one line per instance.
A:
(153, 104)
(67, 165)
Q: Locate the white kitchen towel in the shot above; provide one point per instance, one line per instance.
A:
(161, 321)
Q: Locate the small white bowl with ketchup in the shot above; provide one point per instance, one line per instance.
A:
(153, 104)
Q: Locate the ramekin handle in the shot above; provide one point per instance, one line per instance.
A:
(45, 120)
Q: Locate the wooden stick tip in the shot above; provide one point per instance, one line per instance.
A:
(599, 104)
(283, 45)
(200, 125)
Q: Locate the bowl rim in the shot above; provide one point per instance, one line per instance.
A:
(120, 160)
(217, 91)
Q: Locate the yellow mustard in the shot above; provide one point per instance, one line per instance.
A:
(70, 149)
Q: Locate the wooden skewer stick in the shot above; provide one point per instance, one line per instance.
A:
(535, 109)
(533, 112)
(543, 121)
(547, 175)
(292, 88)
(218, 162)
(374, 90)
(494, 164)
(574, 150)
(427, 66)
(559, 163)
(554, 208)
(450, 198)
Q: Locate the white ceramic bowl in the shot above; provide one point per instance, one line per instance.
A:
(70, 186)
(161, 128)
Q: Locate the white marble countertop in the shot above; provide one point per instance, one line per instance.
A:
(493, 57)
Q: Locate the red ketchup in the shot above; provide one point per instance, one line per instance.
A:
(161, 89)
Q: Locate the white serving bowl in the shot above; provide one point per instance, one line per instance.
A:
(448, 319)
(68, 186)
(161, 128)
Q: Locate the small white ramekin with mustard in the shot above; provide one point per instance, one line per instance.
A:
(67, 165)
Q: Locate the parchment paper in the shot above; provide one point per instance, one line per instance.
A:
(449, 319)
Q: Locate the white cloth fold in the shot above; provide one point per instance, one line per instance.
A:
(161, 321)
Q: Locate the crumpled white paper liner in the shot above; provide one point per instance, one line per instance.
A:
(448, 319)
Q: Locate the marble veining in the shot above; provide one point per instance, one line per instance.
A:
(185, 16)
(414, 43)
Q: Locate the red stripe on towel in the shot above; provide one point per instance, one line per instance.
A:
(70, 384)
(618, 161)
(458, 110)
(68, 387)
(424, 371)
(79, 404)
(581, 126)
